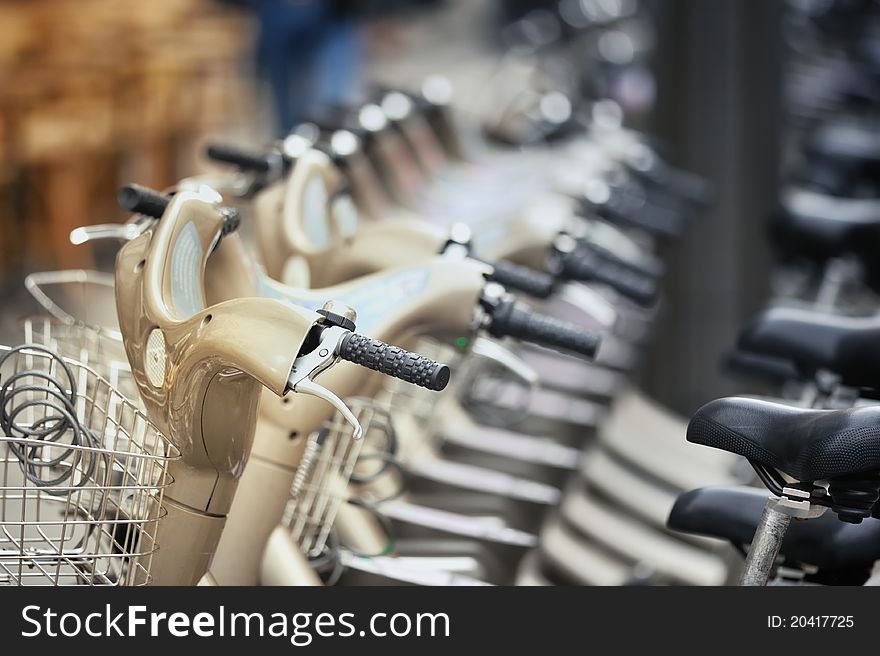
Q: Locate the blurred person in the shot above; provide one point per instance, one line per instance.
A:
(310, 52)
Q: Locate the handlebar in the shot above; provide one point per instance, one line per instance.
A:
(688, 186)
(539, 284)
(142, 200)
(647, 265)
(393, 361)
(629, 207)
(517, 277)
(244, 159)
(512, 319)
(586, 264)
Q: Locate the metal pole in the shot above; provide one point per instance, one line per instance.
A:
(765, 545)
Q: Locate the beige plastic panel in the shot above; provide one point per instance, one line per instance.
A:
(378, 243)
(444, 306)
(217, 358)
(284, 563)
(387, 236)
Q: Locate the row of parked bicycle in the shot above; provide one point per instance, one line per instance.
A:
(387, 349)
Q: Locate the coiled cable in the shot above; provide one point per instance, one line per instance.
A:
(51, 403)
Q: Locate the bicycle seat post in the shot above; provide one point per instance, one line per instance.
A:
(766, 544)
(770, 532)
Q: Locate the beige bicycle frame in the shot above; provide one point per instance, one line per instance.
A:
(384, 237)
(444, 304)
(200, 370)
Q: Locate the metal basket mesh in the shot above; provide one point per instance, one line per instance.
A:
(321, 480)
(81, 323)
(81, 503)
(78, 297)
(102, 352)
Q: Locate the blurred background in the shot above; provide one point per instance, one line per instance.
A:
(97, 93)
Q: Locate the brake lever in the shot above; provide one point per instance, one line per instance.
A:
(495, 352)
(307, 367)
(119, 231)
(589, 302)
(606, 236)
(140, 223)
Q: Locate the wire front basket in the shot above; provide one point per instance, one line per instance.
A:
(321, 480)
(87, 345)
(78, 297)
(81, 323)
(82, 476)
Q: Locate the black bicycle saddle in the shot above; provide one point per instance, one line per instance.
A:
(813, 340)
(732, 513)
(843, 157)
(848, 140)
(820, 225)
(809, 445)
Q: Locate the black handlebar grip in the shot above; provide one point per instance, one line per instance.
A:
(148, 202)
(512, 319)
(587, 265)
(243, 159)
(630, 208)
(539, 284)
(141, 200)
(394, 361)
(694, 189)
(647, 264)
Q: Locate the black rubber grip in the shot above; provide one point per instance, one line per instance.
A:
(244, 159)
(394, 361)
(587, 265)
(646, 265)
(141, 200)
(630, 208)
(513, 319)
(148, 202)
(539, 284)
(683, 184)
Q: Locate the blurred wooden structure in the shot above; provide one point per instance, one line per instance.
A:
(94, 93)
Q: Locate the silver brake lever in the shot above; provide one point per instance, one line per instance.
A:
(307, 366)
(607, 236)
(120, 231)
(495, 352)
(139, 223)
(587, 300)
